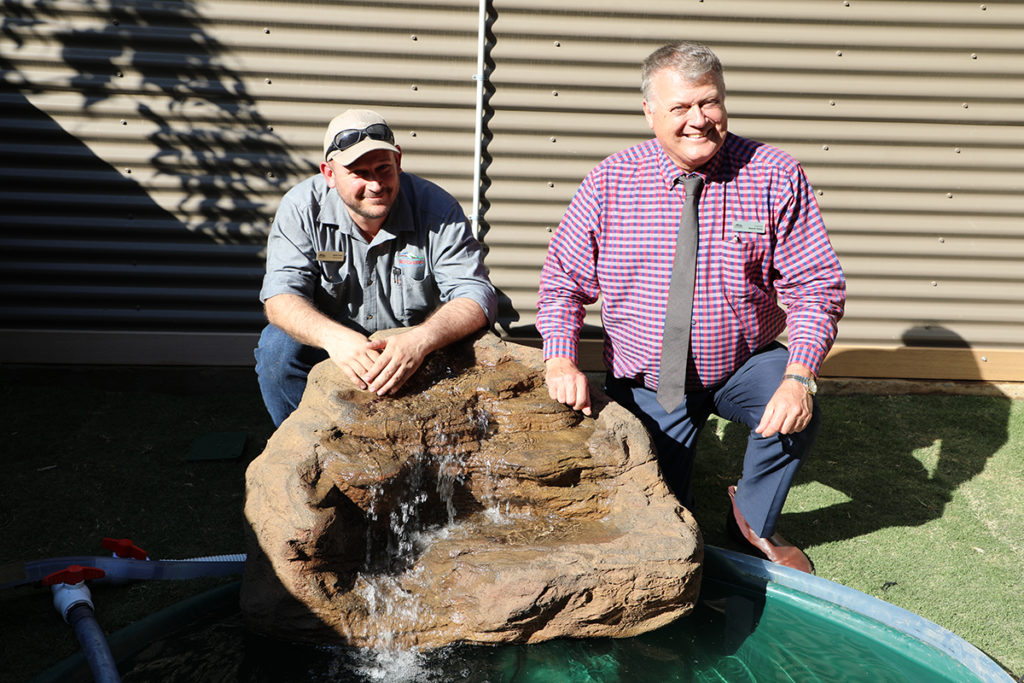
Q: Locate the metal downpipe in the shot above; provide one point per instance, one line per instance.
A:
(480, 77)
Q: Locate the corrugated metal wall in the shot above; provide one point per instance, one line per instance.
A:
(145, 144)
(908, 117)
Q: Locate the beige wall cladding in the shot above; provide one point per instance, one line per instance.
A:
(907, 116)
(144, 146)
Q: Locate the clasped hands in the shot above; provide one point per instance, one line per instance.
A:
(381, 365)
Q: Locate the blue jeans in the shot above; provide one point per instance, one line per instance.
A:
(282, 367)
(769, 464)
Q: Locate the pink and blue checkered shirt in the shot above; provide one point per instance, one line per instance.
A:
(762, 242)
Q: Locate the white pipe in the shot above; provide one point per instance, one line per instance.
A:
(117, 569)
(68, 595)
(479, 77)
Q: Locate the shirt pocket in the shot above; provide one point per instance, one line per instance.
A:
(334, 286)
(413, 292)
(743, 271)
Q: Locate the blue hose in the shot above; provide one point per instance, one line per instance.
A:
(94, 644)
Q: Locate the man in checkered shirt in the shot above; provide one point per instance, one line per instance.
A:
(764, 265)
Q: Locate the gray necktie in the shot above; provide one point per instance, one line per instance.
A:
(675, 341)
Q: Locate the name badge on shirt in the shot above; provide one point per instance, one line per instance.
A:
(332, 256)
(748, 226)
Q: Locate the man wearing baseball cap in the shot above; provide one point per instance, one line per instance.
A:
(361, 247)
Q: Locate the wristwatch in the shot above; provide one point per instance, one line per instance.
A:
(808, 382)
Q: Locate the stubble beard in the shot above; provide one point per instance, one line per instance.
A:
(369, 211)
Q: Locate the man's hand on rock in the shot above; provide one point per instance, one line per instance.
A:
(399, 356)
(566, 384)
(352, 352)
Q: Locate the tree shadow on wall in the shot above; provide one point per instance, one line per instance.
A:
(82, 220)
(879, 461)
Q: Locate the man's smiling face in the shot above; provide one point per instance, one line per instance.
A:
(368, 186)
(688, 118)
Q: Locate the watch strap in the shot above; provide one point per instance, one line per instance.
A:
(808, 382)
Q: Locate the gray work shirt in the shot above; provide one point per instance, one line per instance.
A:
(424, 255)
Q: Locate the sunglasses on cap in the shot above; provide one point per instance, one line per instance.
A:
(351, 136)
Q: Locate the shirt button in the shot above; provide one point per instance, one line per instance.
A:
(369, 316)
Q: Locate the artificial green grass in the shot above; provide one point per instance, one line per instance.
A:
(914, 499)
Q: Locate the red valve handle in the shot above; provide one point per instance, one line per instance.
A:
(73, 574)
(123, 547)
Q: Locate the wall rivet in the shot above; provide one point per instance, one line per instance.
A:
(974, 55)
(412, 133)
(266, 31)
(550, 184)
(984, 359)
(268, 81)
(123, 122)
(825, 147)
(554, 93)
(558, 43)
(415, 87)
(949, 195)
(414, 37)
(942, 240)
(957, 150)
(831, 103)
(964, 105)
(934, 283)
(553, 139)
(839, 53)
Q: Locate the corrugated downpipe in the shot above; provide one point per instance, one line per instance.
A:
(480, 77)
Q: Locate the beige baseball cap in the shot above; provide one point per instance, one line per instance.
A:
(353, 133)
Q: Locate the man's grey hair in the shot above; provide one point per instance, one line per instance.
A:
(692, 61)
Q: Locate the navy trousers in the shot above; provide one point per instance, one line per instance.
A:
(769, 464)
(282, 368)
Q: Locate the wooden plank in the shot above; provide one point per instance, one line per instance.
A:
(904, 362)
